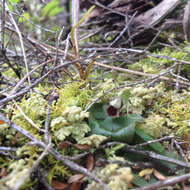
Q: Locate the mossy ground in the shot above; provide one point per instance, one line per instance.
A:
(163, 109)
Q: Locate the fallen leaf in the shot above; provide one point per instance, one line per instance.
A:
(3, 172)
(90, 162)
(57, 185)
(82, 146)
(75, 178)
(186, 145)
(64, 144)
(89, 165)
(158, 175)
(185, 187)
(145, 172)
(75, 186)
(13, 142)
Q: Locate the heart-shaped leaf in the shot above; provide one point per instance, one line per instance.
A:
(120, 129)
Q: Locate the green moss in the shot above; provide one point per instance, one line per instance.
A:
(9, 72)
(71, 94)
(141, 97)
(178, 113)
(170, 115)
(56, 169)
(35, 109)
(67, 113)
(155, 126)
(18, 170)
(154, 65)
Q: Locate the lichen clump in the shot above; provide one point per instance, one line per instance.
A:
(67, 115)
(141, 97)
(93, 140)
(35, 109)
(19, 171)
(178, 113)
(155, 126)
(70, 122)
(116, 177)
(164, 111)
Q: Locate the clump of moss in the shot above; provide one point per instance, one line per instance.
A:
(116, 177)
(18, 170)
(100, 89)
(55, 168)
(67, 113)
(35, 109)
(72, 94)
(155, 126)
(141, 97)
(177, 113)
(154, 65)
(70, 123)
(93, 140)
(170, 116)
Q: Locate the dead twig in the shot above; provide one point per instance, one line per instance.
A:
(166, 138)
(186, 21)
(165, 183)
(150, 154)
(53, 96)
(21, 41)
(141, 73)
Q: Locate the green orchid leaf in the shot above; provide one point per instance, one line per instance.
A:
(156, 147)
(141, 182)
(120, 129)
(98, 112)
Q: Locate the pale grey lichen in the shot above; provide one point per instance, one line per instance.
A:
(34, 108)
(116, 178)
(70, 123)
(19, 169)
(93, 140)
(140, 97)
(155, 126)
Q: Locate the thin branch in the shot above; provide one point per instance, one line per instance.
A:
(141, 73)
(2, 25)
(165, 183)
(21, 41)
(75, 20)
(53, 96)
(150, 154)
(154, 141)
(127, 24)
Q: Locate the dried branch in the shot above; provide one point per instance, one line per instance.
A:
(150, 154)
(186, 21)
(165, 183)
(75, 20)
(21, 41)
